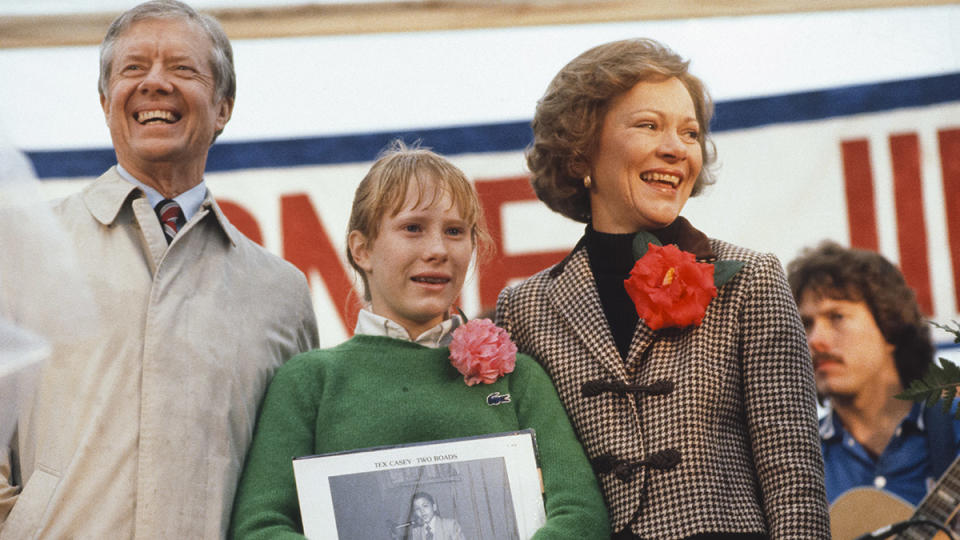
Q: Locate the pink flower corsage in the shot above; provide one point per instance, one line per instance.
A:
(482, 352)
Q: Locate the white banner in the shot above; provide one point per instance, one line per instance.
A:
(822, 132)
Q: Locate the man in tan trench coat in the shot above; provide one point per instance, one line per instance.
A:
(141, 430)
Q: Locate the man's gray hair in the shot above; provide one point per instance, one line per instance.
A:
(221, 59)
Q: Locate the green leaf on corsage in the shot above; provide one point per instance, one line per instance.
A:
(724, 270)
(640, 241)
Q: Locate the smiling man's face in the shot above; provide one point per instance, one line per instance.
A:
(160, 104)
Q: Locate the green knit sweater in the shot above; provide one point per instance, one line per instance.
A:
(374, 391)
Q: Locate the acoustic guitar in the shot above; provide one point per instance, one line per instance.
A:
(863, 510)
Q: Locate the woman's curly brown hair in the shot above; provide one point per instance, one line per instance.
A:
(570, 114)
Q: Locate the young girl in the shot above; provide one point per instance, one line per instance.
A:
(415, 226)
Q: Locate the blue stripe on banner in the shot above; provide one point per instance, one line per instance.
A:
(834, 102)
(71, 163)
(514, 136)
(365, 147)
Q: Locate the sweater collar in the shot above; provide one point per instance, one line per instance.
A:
(371, 324)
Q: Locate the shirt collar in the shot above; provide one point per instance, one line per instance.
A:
(916, 416)
(371, 324)
(190, 201)
(830, 426)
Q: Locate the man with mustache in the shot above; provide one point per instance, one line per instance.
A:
(869, 340)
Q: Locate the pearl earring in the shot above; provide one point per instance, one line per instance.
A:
(587, 182)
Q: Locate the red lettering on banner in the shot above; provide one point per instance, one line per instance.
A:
(307, 245)
(908, 200)
(242, 220)
(911, 225)
(497, 272)
(858, 179)
(950, 164)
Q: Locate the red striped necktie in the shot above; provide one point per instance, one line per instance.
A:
(171, 218)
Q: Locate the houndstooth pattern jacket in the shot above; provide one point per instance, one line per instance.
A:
(741, 413)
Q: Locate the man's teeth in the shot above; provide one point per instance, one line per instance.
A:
(430, 279)
(145, 117)
(661, 177)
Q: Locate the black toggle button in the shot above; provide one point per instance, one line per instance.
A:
(624, 469)
(596, 387)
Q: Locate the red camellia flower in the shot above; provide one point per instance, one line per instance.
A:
(670, 288)
(482, 352)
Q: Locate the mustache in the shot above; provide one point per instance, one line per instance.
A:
(820, 357)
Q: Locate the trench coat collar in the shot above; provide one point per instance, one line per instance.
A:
(107, 195)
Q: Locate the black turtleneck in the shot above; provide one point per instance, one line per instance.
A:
(611, 258)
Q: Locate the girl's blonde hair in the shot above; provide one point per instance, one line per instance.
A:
(384, 189)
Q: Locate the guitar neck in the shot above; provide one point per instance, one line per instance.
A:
(939, 505)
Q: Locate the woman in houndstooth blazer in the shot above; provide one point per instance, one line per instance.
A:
(703, 431)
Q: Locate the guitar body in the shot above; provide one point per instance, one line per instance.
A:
(865, 509)
(862, 510)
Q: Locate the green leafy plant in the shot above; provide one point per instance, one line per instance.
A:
(941, 382)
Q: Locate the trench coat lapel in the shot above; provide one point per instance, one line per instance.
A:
(575, 298)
